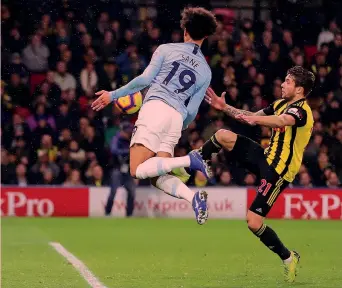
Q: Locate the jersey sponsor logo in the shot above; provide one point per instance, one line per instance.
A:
(280, 129)
(296, 112)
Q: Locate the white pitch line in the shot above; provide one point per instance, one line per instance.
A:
(78, 265)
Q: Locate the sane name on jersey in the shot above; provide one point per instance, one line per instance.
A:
(191, 61)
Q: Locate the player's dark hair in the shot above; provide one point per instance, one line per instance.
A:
(303, 78)
(198, 22)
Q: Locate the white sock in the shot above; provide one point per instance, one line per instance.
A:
(174, 187)
(288, 260)
(157, 166)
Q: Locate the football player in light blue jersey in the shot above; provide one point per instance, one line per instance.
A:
(182, 80)
(178, 76)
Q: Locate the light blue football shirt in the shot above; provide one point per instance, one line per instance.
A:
(178, 74)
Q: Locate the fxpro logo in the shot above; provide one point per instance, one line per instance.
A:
(322, 206)
(17, 204)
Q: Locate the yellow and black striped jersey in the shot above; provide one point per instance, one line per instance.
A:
(287, 144)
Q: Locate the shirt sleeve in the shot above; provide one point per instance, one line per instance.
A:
(299, 114)
(194, 104)
(144, 79)
(269, 110)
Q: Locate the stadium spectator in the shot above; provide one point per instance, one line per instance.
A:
(327, 36)
(22, 150)
(16, 128)
(41, 123)
(336, 151)
(250, 179)
(43, 164)
(75, 58)
(48, 147)
(48, 178)
(97, 177)
(65, 118)
(314, 146)
(50, 89)
(35, 55)
(305, 180)
(7, 168)
(128, 60)
(317, 169)
(63, 79)
(46, 25)
(120, 174)
(111, 78)
(333, 181)
(225, 178)
(74, 179)
(108, 47)
(15, 67)
(16, 42)
(76, 153)
(20, 178)
(199, 179)
(89, 80)
(126, 41)
(102, 23)
(115, 28)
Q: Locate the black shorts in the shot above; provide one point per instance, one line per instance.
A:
(251, 156)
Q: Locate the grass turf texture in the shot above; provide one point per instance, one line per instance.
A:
(166, 253)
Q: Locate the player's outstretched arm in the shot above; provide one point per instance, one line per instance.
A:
(272, 121)
(293, 116)
(219, 103)
(133, 86)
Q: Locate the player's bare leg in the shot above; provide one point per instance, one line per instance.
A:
(170, 184)
(271, 240)
(227, 140)
(138, 154)
(157, 166)
(221, 139)
(196, 160)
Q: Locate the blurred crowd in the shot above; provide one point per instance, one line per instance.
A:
(50, 72)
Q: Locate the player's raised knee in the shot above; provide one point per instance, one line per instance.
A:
(220, 135)
(226, 138)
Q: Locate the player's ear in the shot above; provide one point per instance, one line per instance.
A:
(299, 90)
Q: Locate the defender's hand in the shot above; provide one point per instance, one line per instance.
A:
(215, 101)
(251, 120)
(102, 101)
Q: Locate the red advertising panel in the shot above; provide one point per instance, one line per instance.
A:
(305, 204)
(44, 202)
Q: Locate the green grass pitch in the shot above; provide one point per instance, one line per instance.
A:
(166, 253)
